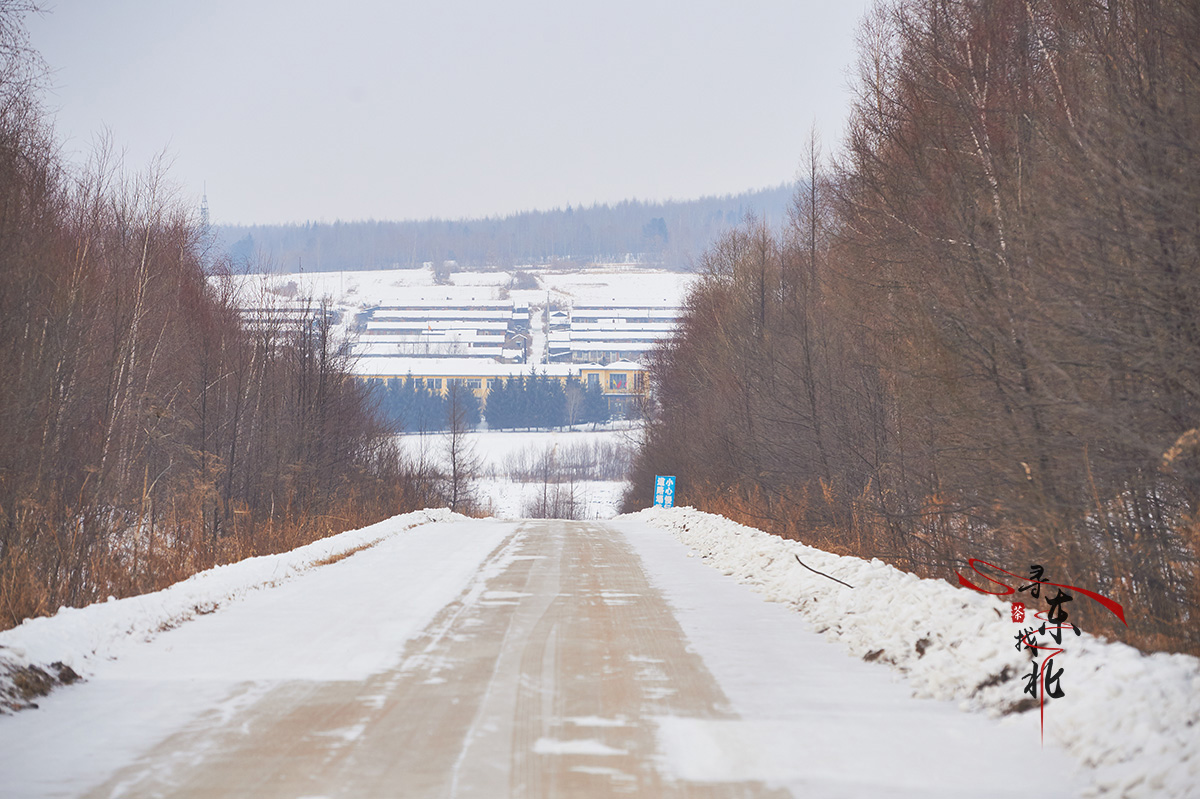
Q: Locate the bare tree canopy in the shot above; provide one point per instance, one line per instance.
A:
(979, 334)
(145, 433)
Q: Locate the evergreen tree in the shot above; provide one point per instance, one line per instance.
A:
(410, 406)
(518, 401)
(595, 405)
(554, 411)
(466, 407)
(573, 401)
(499, 404)
(428, 407)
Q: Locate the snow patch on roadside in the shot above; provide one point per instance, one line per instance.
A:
(1133, 720)
(586, 746)
(77, 638)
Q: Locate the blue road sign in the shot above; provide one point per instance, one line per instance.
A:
(664, 491)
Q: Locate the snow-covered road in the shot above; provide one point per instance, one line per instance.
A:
(490, 659)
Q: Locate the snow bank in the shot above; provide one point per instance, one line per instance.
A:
(1131, 720)
(75, 638)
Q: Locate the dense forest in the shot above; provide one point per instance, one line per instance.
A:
(531, 401)
(671, 234)
(145, 433)
(978, 334)
(535, 401)
(412, 407)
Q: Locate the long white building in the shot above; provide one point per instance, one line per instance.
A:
(492, 329)
(603, 334)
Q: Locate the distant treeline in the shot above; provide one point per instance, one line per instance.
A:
(407, 406)
(538, 401)
(979, 334)
(531, 401)
(671, 233)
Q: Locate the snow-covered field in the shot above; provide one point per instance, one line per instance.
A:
(594, 499)
(1131, 721)
(617, 285)
(504, 498)
(352, 291)
(493, 447)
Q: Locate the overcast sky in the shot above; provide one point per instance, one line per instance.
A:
(289, 110)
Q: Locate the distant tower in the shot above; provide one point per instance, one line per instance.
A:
(204, 208)
(205, 234)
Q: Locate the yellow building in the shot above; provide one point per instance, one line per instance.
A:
(623, 382)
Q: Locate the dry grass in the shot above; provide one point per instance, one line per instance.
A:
(343, 555)
(939, 542)
(38, 580)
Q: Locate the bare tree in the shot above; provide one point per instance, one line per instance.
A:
(146, 432)
(979, 334)
(462, 461)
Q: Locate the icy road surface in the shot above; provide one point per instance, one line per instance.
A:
(492, 659)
